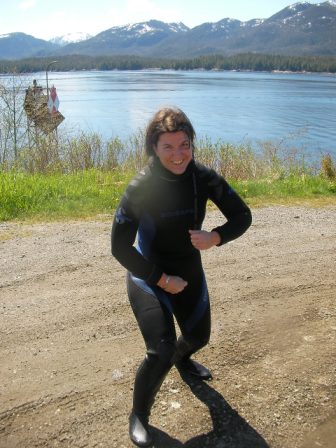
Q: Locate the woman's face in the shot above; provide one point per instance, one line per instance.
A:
(174, 151)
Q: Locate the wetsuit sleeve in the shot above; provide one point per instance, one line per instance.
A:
(124, 231)
(237, 213)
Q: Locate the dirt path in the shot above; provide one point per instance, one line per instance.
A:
(69, 344)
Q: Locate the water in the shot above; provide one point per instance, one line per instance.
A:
(237, 107)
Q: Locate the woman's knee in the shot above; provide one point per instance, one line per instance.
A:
(163, 353)
(188, 344)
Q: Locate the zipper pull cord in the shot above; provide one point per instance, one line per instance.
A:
(195, 202)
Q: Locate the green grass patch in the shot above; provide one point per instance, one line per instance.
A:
(293, 186)
(60, 196)
(90, 193)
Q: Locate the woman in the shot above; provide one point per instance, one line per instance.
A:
(162, 210)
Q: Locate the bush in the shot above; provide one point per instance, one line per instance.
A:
(328, 169)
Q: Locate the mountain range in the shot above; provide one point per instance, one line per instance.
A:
(301, 29)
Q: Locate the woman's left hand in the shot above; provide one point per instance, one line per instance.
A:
(202, 240)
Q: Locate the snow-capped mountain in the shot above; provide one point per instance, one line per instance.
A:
(151, 27)
(299, 29)
(70, 38)
(135, 38)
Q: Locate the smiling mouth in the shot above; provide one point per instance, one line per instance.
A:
(177, 162)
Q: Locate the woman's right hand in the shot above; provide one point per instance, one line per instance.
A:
(172, 283)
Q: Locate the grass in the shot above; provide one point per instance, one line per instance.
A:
(59, 196)
(92, 192)
(84, 176)
(293, 186)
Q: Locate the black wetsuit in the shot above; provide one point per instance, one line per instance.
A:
(157, 210)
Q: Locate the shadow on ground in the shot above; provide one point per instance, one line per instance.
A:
(230, 430)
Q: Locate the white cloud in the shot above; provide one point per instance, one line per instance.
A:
(27, 4)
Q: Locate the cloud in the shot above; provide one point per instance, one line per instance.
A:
(27, 4)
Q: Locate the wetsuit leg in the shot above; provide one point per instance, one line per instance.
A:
(195, 338)
(192, 312)
(157, 327)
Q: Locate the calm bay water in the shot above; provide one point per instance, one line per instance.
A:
(237, 107)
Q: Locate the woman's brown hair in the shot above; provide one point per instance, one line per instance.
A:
(167, 119)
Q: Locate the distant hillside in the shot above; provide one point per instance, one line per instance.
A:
(133, 39)
(300, 29)
(20, 45)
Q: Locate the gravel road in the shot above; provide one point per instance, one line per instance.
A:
(70, 346)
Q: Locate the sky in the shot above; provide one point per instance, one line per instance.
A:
(46, 19)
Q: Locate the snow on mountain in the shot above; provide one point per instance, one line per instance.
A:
(177, 27)
(70, 38)
(152, 26)
(252, 23)
(296, 6)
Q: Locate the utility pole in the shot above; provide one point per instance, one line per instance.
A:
(47, 69)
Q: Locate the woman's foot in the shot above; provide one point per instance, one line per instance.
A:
(194, 368)
(139, 431)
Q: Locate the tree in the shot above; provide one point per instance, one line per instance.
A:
(13, 120)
